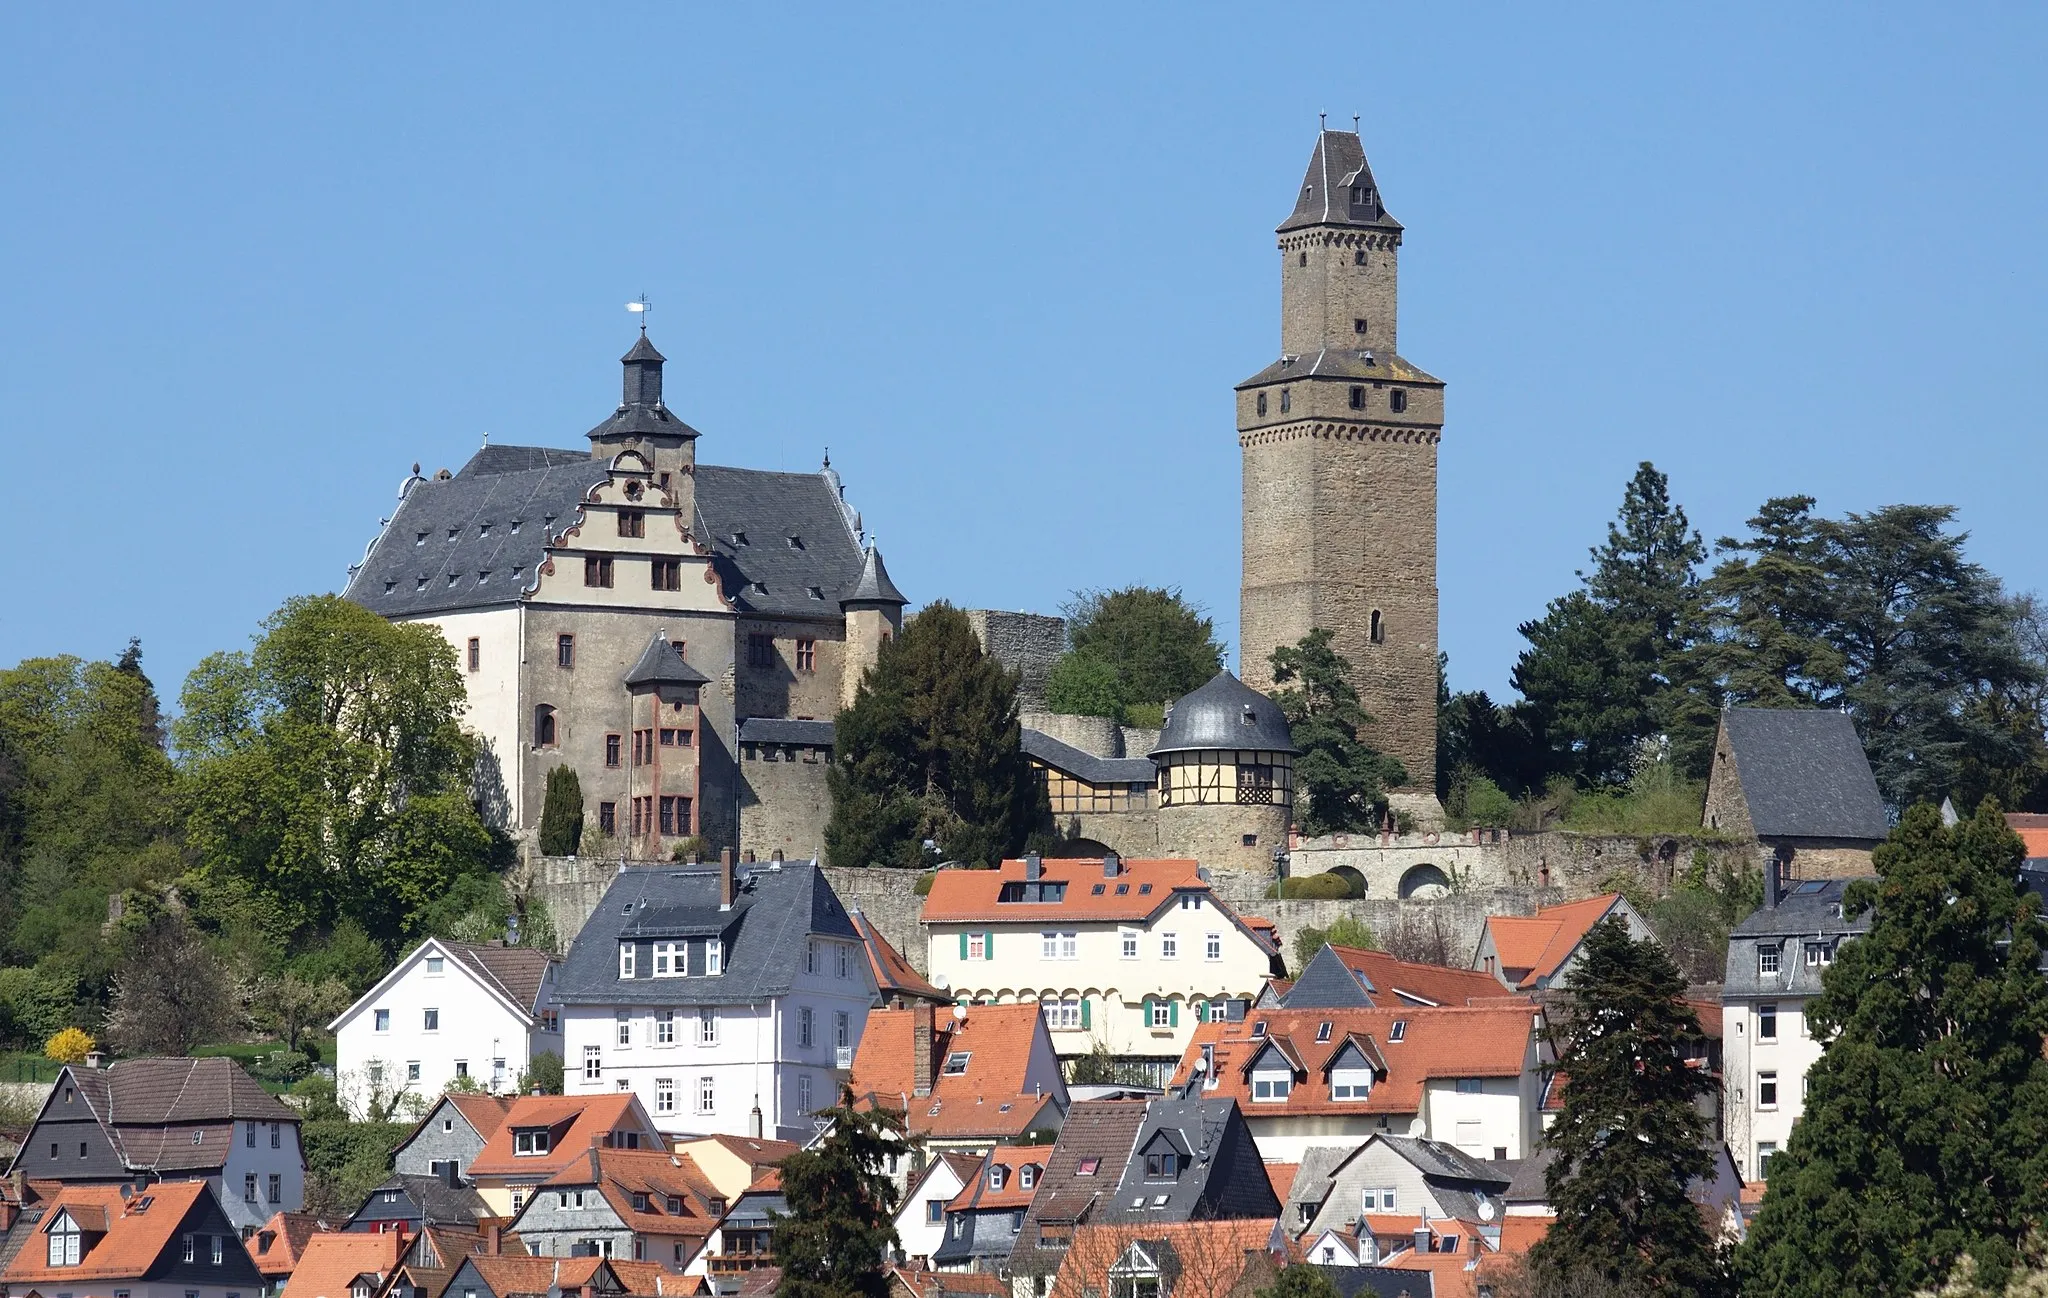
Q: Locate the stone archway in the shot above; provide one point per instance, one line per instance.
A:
(1073, 848)
(1353, 878)
(1424, 883)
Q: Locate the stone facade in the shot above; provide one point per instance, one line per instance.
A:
(1339, 441)
(1026, 643)
(784, 803)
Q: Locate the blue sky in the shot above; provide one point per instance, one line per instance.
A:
(1006, 262)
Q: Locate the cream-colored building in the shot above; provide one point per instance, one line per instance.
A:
(1126, 955)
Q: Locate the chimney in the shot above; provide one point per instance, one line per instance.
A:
(494, 1236)
(1774, 880)
(95, 1058)
(1422, 1237)
(754, 1123)
(747, 857)
(921, 1049)
(725, 879)
(1112, 864)
(776, 856)
(1033, 867)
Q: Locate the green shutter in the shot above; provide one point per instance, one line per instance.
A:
(988, 946)
(1173, 1014)
(1146, 1010)
(963, 946)
(1084, 1011)
(1201, 1011)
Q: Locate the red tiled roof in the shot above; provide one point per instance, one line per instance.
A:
(1433, 983)
(1213, 1254)
(540, 1275)
(975, 1191)
(332, 1261)
(136, 1235)
(893, 974)
(987, 1100)
(2032, 829)
(1148, 887)
(944, 1284)
(577, 1121)
(1281, 1176)
(1710, 1016)
(1435, 1043)
(1451, 1275)
(1537, 945)
(515, 971)
(277, 1244)
(619, 1174)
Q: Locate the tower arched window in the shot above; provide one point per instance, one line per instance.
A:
(1286, 400)
(1379, 628)
(1262, 403)
(1397, 400)
(544, 726)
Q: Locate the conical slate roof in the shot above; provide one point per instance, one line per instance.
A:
(1338, 188)
(641, 412)
(873, 585)
(663, 664)
(643, 350)
(1225, 713)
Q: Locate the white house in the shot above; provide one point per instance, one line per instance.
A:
(728, 999)
(448, 1010)
(921, 1220)
(1130, 955)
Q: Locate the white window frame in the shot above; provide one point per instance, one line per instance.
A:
(1767, 961)
(1162, 1014)
(1169, 946)
(664, 1095)
(707, 1094)
(435, 965)
(1212, 946)
(977, 946)
(1350, 1083)
(806, 1026)
(1762, 1019)
(625, 959)
(1767, 1077)
(1272, 1086)
(845, 960)
(707, 1026)
(714, 956)
(593, 1063)
(842, 1029)
(810, 955)
(803, 1093)
(671, 959)
(1127, 939)
(380, 1020)
(664, 1027)
(622, 1024)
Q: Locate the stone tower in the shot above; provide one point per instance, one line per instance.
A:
(1339, 438)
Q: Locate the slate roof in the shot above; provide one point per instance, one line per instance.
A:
(157, 1090)
(1378, 1282)
(1337, 165)
(1101, 1132)
(1225, 713)
(873, 585)
(773, 912)
(517, 971)
(779, 730)
(662, 664)
(436, 1202)
(1312, 1180)
(1086, 766)
(1340, 976)
(1810, 910)
(1224, 1177)
(1804, 774)
(770, 508)
(1345, 363)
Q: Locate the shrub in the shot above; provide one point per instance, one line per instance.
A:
(561, 817)
(924, 883)
(686, 848)
(1315, 887)
(543, 1074)
(283, 1066)
(70, 1046)
(1349, 930)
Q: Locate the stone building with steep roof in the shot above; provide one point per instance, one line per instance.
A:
(623, 610)
(1798, 782)
(1339, 441)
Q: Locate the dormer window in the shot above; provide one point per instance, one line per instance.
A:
(1027, 1176)
(1270, 1085)
(997, 1174)
(1162, 1166)
(1262, 403)
(65, 1241)
(530, 1141)
(740, 538)
(795, 542)
(641, 1203)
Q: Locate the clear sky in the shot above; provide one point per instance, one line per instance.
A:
(1007, 262)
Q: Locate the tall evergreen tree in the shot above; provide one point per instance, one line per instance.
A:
(1340, 781)
(842, 1208)
(1585, 701)
(929, 750)
(561, 816)
(1925, 1133)
(1630, 1139)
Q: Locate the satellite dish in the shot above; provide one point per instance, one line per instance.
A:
(1485, 1209)
(959, 1013)
(1200, 1066)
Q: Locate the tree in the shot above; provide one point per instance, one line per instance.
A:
(1585, 700)
(70, 1046)
(1299, 1280)
(929, 752)
(1341, 780)
(1630, 1140)
(1155, 645)
(561, 817)
(1086, 686)
(1925, 1134)
(286, 1006)
(329, 768)
(1345, 930)
(543, 1075)
(170, 992)
(842, 1208)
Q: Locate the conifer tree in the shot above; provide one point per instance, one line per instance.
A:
(1630, 1139)
(1925, 1133)
(1343, 780)
(561, 816)
(842, 1208)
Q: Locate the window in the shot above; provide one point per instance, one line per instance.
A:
(1062, 1015)
(534, 1140)
(1471, 1086)
(1358, 256)
(714, 956)
(707, 1026)
(1819, 954)
(435, 965)
(249, 1135)
(64, 1237)
(1357, 398)
(803, 1025)
(956, 1063)
(632, 522)
(1397, 400)
(845, 963)
(1262, 403)
(977, 946)
(544, 726)
(627, 954)
(997, 1175)
(1027, 1176)
(1378, 631)
(1358, 327)
(1767, 1090)
(597, 570)
(1129, 940)
(664, 1095)
(565, 651)
(623, 1029)
(430, 1021)
(249, 1188)
(842, 1029)
(1350, 1083)
(803, 1093)
(1212, 947)
(1766, 961)
(593, 1063)
(1286, 400)
(675, 816)
(1765, 1149)
(276, 1188)
(1767, 1022)
(643, 816)
(476, 653)
(760, 651)
(216, 1250)
(807, 655)
(1162, 1167)
(706, 1096)
(608, 815)
(934, 1211)
(666, 574)
(1162, 1014)
(612, 746)
(191, 1253)
(671, 960)
(1169, 946)
(1399, 1030)
(1272, 1085)
(1303, 260)
(412, 1070)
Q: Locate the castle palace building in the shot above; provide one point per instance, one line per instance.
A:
(1339, 438)
(622, 610)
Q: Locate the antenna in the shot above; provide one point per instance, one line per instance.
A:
(641, 308)
(1354, 123)
(1324, 120)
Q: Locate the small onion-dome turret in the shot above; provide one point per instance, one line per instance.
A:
(1225, 713)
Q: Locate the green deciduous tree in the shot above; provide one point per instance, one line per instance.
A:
(1925, 1132)
(842, 1208)
(288, 1005)
(329, 769)
(561, 816)
(171, 992)
(1340, 782)
(1345, 930)
(1083, 685)
(1299, 1280)
(543, 1075)
(928, 750)
(1155, 644)
(1630, 1139)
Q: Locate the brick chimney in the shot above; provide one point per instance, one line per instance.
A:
(1112, 865)
(725, 878)
(921, 1049)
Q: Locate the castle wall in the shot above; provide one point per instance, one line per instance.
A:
(1027, 643)
(1098, 735)
(783, 689)
(784, 803)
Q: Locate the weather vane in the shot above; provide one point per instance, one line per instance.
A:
(641, 308)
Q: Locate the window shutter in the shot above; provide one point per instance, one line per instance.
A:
(988, 946)
(1084, 1011)
(1201, 1011)
(963, 945)
(1173, 1014)
(1146, 1010)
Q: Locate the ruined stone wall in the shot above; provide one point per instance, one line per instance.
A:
(1575, 865)
(1026, 643)
(784, 803)
(1098, 735)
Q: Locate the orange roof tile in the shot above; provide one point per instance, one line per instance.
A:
(1538, 944)
(2032, 829)
(577, 1121)
(332, 1261)
(277, 1244)
(987, 1100)
(1435, 1043)
(1518, 1232)
(1434, 983)
(137, 1230)
(1709, 1015)
(1141, 889)
(622, 1174)
(508, 1275)
(894, 975)
(975, 1192)
(1451, 1275)
(485, 1112)
(944, 1284)
(1213, 1254)
(1281, 1176)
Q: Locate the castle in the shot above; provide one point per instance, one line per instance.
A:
(681, 634)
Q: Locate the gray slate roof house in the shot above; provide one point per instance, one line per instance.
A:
(1808, 913)
(410, 1202)
(1194, 1159)
(1080, 1183)
(1797, 780)
(1454, 1184)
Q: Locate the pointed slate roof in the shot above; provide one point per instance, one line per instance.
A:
(663, 664)
(1225, 713)
(1804, 774)
(873, 585)
(641, 412)
(1338, 187)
